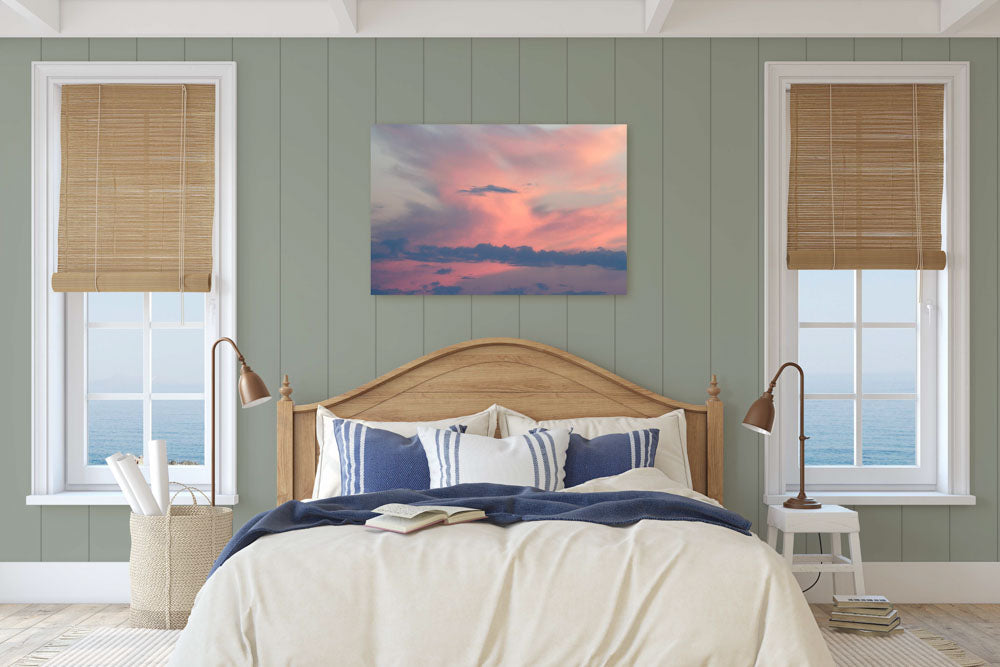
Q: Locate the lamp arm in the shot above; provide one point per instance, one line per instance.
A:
(802, 394)
(239, 354)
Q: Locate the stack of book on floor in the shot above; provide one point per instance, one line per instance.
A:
(864, 613)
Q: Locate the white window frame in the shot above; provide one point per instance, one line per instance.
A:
(946, 311)
(49, 485)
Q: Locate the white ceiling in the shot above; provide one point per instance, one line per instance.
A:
(499, 18)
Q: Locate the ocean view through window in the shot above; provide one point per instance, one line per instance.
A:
(145, 375)
(858, 342)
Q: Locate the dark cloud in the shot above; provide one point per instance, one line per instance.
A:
(512, 290)
(443, 272)
(542, 286)
(446, 289)
(616, 260)
(481, 190)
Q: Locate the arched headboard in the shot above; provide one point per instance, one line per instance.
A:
(541, 381)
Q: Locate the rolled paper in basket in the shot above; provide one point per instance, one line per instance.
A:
(122, 482)
(147, 503)
(158, 474)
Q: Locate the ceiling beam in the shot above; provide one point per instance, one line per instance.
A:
(347, 14)
(656, 15)
(957, 14)
(44, 13)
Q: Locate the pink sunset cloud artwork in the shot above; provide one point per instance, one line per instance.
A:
(498, 209)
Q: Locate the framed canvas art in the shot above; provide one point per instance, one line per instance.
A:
(498, 209)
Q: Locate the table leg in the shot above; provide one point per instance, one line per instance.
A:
(772, 537)
(788, 547)
(835, 550)
(854, 541)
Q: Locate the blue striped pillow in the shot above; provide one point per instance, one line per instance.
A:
(536, 459)
(610, 454)
(372, 459)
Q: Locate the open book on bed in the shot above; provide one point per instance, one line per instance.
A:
(402, 518)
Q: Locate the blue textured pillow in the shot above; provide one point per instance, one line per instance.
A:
(372, 459)
(609, 454)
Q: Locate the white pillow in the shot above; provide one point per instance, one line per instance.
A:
(536, 459)
(327, 482)
(671, 452)
(639, 479)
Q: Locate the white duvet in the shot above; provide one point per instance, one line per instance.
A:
(538, 593)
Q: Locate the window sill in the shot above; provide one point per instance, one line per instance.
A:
(114, 498)
(880, 498)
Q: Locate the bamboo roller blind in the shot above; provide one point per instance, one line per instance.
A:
(137, 195)
(866, 176)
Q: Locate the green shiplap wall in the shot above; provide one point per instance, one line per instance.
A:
(694, 111)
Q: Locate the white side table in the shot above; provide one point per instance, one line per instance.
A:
(833, 520)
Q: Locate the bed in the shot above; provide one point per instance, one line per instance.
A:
(546, 592)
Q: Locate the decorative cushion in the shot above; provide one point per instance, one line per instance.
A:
(532, 459)
(327, 482)
(671, 452)
(373, 459)
(611, 454)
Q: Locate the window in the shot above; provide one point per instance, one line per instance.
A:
(885, 352)
(136, 363)
(113, 370)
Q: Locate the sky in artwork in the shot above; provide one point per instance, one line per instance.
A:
(498, 209)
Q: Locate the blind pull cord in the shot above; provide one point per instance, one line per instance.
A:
(833, 204)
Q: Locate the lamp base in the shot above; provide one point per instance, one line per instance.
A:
(802, 504)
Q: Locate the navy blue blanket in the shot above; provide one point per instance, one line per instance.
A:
(503, 505)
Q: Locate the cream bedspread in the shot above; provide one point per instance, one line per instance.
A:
(539, 593)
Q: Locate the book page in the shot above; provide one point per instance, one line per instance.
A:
(449, 510)
(406, 511)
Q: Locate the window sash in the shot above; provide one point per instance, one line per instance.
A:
(79, 475)
(921, 475)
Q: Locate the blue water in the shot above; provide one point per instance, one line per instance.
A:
(116, 426)
(888, 432)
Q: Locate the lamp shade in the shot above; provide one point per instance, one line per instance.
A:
(760, 416)
(253, 391)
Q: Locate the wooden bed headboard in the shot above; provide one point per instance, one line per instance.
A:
(541, 381)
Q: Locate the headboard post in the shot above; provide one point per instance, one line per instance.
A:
(715, 450)
(285, 432)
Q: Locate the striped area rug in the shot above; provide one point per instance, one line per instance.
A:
(915, 648)
(99, 647)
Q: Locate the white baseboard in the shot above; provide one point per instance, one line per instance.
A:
(53, 582)
(954, 582)
(900, 582)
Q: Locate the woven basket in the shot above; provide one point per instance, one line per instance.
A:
(170, 559)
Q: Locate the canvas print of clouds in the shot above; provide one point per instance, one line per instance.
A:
(498, 209)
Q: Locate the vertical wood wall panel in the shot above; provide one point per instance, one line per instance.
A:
(639, 314)
(447, 99)
(303, 178)
(495, 99)
(399, 98)
(352, 307)
(878, 49)
(924, 530)
(695, 160)
(590, 98)
(113, 49)
(543, 97)
(735, 324)
(258, 241)
(687, 218)
(974, 529)
(22, 528)
(170, 48)
(208, 49)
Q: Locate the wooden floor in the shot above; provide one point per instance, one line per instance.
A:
(26, 627)
(974, 627)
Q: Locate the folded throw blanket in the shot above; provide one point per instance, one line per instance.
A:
(503, 504)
